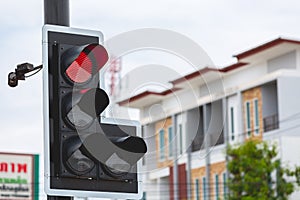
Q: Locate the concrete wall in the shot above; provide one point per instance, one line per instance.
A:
(150, 188)
(288, 104)
(164, 192)
(149, 137)
(286, 61)
(246, 75)
(175, 103)
(290, 156)
(212, 87)
(181, 101)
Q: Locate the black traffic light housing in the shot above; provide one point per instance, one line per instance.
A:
(85, 155)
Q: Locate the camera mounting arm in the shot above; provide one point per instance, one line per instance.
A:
(20, 71)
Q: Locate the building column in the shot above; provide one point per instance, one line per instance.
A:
(240, 117)
(189, 173)
(158, 189)
(225, 122)
(207, 151)
(175, 163)
(226, 135)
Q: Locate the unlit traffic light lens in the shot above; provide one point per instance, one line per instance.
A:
(88, 105)
(115, 166)
(76, 162)
(79, 163)
(79, 118)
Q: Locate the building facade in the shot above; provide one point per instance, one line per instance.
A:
(188, 127)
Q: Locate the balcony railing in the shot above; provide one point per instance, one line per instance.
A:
(271, 123)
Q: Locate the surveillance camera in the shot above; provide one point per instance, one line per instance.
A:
(12, 79)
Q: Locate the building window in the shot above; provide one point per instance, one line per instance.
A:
(204, 192)
(232, 123)
(170, 138)
(256, 116)
(180, 139)
(144, 196)
(162, 144)
(248, 119)
(224, 186)
(197, 189)
(217, 187)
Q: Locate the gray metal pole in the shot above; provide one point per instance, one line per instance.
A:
(56, 12)
(175, 166)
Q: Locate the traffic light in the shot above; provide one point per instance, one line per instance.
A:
(85, 155)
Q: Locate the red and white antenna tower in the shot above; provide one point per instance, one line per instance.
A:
(115, 76)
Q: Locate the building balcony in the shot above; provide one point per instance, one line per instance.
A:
(198, 143)
(271, 123)
(215, 139)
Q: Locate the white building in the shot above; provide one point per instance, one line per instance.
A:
(258, 96)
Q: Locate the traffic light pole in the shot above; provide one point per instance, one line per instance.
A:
(56, 12)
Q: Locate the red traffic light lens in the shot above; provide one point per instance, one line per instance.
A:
(80, 70)
(92, 58)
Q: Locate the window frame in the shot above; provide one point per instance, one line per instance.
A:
(197, 191)
(161, 149)
(232, 124)
(217, 188)
(248, 118)
(224, 177)
(256, 123)
(170, 144)
(204, 188)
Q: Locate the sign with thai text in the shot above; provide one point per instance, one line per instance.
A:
(19, 176)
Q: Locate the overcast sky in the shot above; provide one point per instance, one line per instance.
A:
(221, 27)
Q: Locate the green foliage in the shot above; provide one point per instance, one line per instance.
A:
(256, 173)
